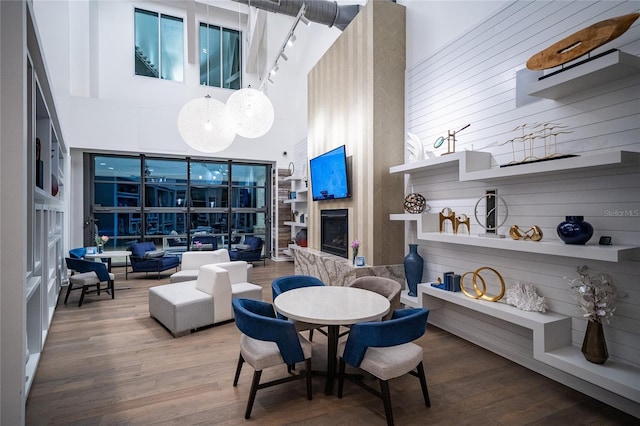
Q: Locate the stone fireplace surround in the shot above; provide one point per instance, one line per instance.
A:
(338, 271)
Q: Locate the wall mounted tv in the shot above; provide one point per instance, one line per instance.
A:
(328, 173)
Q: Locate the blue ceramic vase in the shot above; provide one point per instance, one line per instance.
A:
(413, 265)
(574, 230)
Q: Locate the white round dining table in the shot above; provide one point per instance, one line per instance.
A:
(332, 306)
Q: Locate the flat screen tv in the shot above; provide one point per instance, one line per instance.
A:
(328, 173)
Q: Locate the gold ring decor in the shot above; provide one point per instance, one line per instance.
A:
(482, 293)
(478, 292)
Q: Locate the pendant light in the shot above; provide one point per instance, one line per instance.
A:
(206, 125)
(252, 111)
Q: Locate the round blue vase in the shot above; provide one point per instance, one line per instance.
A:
(413, 265)
(574, 230)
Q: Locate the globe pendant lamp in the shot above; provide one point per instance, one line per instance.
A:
(206, 125)
(253, 112)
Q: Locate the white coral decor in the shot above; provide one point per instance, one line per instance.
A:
(524, 297)
(596, 296)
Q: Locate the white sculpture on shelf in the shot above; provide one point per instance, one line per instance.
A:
(524, 297)
(417, 151)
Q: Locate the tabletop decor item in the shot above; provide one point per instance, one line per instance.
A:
(413, 266)
(482, 293)
(581, 42)
(415, 203)
(496, 213)
(355, 245)
(451, 140)
(534, 233)
(463, 219)
(301, 237)
(447, 215)
(524, 297)
(100, 242)
(536, 142)
(597, 298)
(574, 230)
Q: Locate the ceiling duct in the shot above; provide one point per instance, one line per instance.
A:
(324, 12)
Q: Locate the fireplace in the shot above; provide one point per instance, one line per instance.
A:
(334, 232)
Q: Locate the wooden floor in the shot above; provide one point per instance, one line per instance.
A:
(108, 362)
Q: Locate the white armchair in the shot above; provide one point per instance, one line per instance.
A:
(193, 260)
(185, 306)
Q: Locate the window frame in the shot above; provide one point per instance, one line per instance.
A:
(159, 17)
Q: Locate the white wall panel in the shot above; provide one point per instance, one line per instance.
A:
(473, 80)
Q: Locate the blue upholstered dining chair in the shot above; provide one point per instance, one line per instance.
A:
(268, 341)
(77, 253)
(88, 274)
(385, 350)
(289, 282)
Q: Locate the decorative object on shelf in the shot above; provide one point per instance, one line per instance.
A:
(355, 245)
(451, 141)
(252, 111)
(54, 185)
(450, 215)
(206, 125)
(597, 298)
(292, 195)
(100, 242)
(492, 221)
(530, 132)
(574, 230)
(482, 293)
(415, 203)
(534, 233)
(581, 42)
(463, 219)
(417, 150)
(360, 261)
(413, 267)
(594, 345)
(605, 241)
(292, 168)
(524, 297)
(301, 238)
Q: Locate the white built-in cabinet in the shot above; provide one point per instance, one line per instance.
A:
(45, 210)
(297, 200)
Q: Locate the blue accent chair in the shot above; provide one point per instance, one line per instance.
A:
(146, 258)
(289, 282)
(385, 350)
(88, 274)
(267, 341)
(250, 251)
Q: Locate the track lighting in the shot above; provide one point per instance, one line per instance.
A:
(291, 40)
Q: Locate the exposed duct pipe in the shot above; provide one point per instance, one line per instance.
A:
(320, 11)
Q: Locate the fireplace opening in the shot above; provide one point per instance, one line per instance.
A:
(334, 232)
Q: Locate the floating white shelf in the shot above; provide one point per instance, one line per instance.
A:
(551, 340)
(614, 253)
(296, 224)
(470, 170)
(596, 72)
(476, 166)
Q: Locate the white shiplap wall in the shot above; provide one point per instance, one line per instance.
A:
(473, 80)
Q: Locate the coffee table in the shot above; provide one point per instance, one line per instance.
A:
(332, 306)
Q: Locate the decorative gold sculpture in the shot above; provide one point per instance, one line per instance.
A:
(463, 219)
(451, 141)
(478, 292)
(547, 132)
(534, 233)
(448, 214)
(415, 203)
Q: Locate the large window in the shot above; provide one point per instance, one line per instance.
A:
(220, 57)
(159, 50)
(173, 202)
